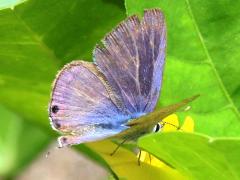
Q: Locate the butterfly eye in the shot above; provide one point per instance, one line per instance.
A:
(157, 127)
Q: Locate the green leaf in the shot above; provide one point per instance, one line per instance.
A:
(196, 156)
(9, 3)
(218, 24)
(202, 55)
(20, 142)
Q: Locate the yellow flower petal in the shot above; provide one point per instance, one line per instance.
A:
(143, 157)
(150, 159)
(188, 125)
(173, 123)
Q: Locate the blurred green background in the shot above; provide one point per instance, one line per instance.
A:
(37, 37)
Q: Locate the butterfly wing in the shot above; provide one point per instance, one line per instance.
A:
(83, 106)
(133, 59)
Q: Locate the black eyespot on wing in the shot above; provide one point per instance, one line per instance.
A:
(54, 109)
(64, 139)
(57, 125)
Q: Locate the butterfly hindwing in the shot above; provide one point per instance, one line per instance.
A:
(81, 104)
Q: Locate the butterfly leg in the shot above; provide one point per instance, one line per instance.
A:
(115, 150)
(139, 157)
(150, 158)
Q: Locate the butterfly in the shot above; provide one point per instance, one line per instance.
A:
(115, 96)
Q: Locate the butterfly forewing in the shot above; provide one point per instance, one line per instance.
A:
(133, 59)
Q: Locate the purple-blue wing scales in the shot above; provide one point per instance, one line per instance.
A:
(83, 105)
(133, 59)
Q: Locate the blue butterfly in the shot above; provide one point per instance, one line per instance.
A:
(115, 96)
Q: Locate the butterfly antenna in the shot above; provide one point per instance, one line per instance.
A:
(118, 146)
(177, 127)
